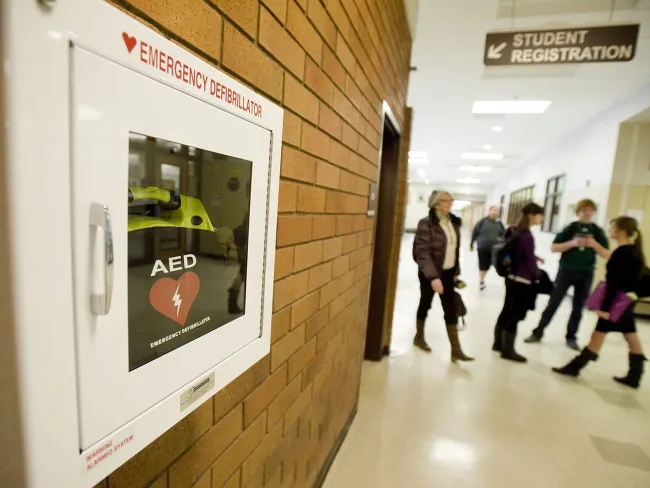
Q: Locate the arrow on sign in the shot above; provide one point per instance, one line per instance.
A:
(495, 52)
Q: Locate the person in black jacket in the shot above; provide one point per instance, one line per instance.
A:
(624, 269)
(487, 232)
(240, 235)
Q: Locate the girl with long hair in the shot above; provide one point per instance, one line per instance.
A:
(624, 268)
(520, 284)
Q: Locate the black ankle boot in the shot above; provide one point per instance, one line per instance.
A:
(633, 378)
(508, 348)
(498, 333)
(576, 365)
(233, 307)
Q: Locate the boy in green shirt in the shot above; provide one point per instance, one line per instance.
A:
(579, 244)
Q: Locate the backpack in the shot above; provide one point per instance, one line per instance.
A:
(503, 255)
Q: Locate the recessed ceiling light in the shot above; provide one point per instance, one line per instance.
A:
(482, 156)
(487, 147)
(510, 106)
(476, 169)
(422, 174)
(497, 128)
(468, 181)
(418, 161)
(426, 182)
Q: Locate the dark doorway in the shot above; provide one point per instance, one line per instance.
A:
(384, 229)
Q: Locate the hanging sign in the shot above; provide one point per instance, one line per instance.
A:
(611, 44)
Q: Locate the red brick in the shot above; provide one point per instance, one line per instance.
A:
(337, 306)
(342, 105)
(339, 155)
(297, 408)
(353, 92)
(315, 141)
(290, 289)
(281, 45)
(200, 25)
(244, 58)
(322, 21)
(333, 67)
(233, 482)
(280, 325)
(256, 460)
(339, 16)
(286, 347)
(319, 275)
(332, 248)
(242, 12)
(308, 255)
(317, 80)
(293, 229)
(299, 360)
(311, 199)
(284, 262)
(197, 460)
(353, 12)
(341, 266)
(303, 309)
(292, 129)
(335, 202)
(350, 243)
(316, 323)
(258, 400)
(330, 122)
(278, 7)
(350, 137)
(287, 197)
(368, 151)
(324, 226)
(300, 100)
(297, 165)
(344, 224)
(304, 32)
(278, 408)
(348, 182)
(327, 175)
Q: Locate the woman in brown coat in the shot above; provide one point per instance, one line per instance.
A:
(436, 251)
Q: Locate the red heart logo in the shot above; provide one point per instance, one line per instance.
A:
(174, 298)
(129, 41)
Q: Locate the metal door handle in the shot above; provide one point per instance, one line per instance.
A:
(100, 218)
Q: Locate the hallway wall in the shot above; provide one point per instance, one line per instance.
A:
(330, 64)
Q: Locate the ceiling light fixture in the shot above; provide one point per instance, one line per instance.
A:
(476, 169)
(468, 181)
(497, 128)
(482, 156)
(487, 147)
(418, 161)
(427, 182)
(417, 154)
(510, 106)
(422, 174)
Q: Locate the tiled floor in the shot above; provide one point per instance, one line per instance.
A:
(424, 422)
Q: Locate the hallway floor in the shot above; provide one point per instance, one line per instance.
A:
(424, 422)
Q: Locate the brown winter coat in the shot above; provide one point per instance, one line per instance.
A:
(430, 245)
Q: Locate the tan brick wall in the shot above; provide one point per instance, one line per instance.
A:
(330, 63)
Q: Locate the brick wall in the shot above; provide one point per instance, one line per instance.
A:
(330, 63)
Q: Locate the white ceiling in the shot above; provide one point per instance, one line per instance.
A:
(450, 76)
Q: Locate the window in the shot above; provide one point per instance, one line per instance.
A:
(552, 204)
(518, 200)
(502, 205)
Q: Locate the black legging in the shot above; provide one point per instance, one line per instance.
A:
(447, 298)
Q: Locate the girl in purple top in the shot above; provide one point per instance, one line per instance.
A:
(520, 289)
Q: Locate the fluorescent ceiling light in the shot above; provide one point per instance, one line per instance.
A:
(426, 182)
(417, 154)
(510, 106)
(422, 174)
(476, 169)
(487, 147)
(468, 181)
(482, 156)
(418, 161)
(497, 128)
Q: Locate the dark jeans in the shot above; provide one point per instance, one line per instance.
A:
(447, 298)
(581, 283)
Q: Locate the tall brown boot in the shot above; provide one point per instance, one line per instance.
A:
(457, 353)
(419, 337)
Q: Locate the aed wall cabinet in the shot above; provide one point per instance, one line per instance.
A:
(143, 185)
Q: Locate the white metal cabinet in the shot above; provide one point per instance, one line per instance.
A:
(114, 111)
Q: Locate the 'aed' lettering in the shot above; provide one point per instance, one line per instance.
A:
(176, 263)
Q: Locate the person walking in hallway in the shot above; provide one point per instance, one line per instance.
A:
(436, 250)
(486, 233)
(579, 244)
(624, 269)
(520, 283)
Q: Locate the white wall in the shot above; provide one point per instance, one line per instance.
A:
(586, 157)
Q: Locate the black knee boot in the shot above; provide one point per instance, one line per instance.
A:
(419, 341)
(576, 365)
(633, 378)
(498, 334)
(508, 348)
(233, 307)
